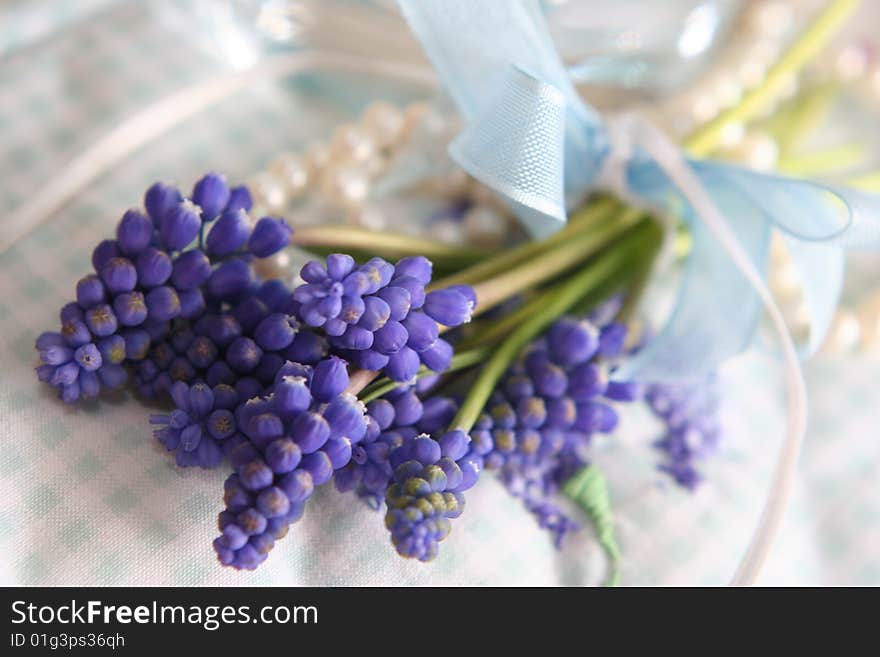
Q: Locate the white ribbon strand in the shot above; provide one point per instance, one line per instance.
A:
(632, 130)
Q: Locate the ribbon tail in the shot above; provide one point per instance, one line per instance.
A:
(685, 179)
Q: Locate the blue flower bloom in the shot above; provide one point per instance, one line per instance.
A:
(270, 235)
(229, 233)
(134, 305)
(134, 232)
(689, 412)
(180, 225)
(80, 371)
(211, 194)
(426, 493)
(202, 420)
(159, 200)
(370, 312)
(295, 443)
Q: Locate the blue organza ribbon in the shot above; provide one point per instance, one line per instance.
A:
(531, 137)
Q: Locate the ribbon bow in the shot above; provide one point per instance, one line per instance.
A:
(531, 137)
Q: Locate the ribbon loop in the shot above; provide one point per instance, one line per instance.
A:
(516, 147)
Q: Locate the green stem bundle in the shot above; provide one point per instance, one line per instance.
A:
(392, 246)
(643, 235)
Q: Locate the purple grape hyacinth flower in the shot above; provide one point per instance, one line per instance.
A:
(379, 316)
(197, 429)
(298, 436)
(153, 274)
(689, 412)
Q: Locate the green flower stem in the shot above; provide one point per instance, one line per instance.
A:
(460, 361)
(624, 277)
(805, 48)
(552, 263)
(869, 182)
(388, 245)
(564, 298)
(823, 162)
(501, 327)
(800, 115)
(639, 274)
(580, 222)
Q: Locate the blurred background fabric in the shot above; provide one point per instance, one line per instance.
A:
(87, 496)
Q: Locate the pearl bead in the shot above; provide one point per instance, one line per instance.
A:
(413, 116)
(317, 157)
(771, 18)
(279, 265)
(751, 71)
(368, 217)
(292, 172)
(869, 318)
(875, 81)
(433, 123)
(786, 281)
(448, 231)
(375, 166)
(797, 318)
(726, 91)
(759, 151)
(351, 144)
(765, 53)
(852, 62)
(778, 250)
(384, 122)
(456, 183)
(346, 187)
(732, 134)
(704, 107)
(268, 192)
(843, 334)
(484, 226)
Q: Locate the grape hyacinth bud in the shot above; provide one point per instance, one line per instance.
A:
(159, 200)
(229, 233)
(538, 426)
(180, 225)
(426, 493)
(199, 425)
(239, 199)
(689, 412)
(211, 194)
(77, 369)
(134, 233)
(270, 235)
(371, 313)
(296, 439)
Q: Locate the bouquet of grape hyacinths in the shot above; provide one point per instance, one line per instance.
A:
(400, 370)
(348, 375)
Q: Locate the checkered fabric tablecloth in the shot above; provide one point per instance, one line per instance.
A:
(86, 497)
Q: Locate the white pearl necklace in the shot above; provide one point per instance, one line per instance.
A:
(334, 182)
(853, 329)
(755, 43)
